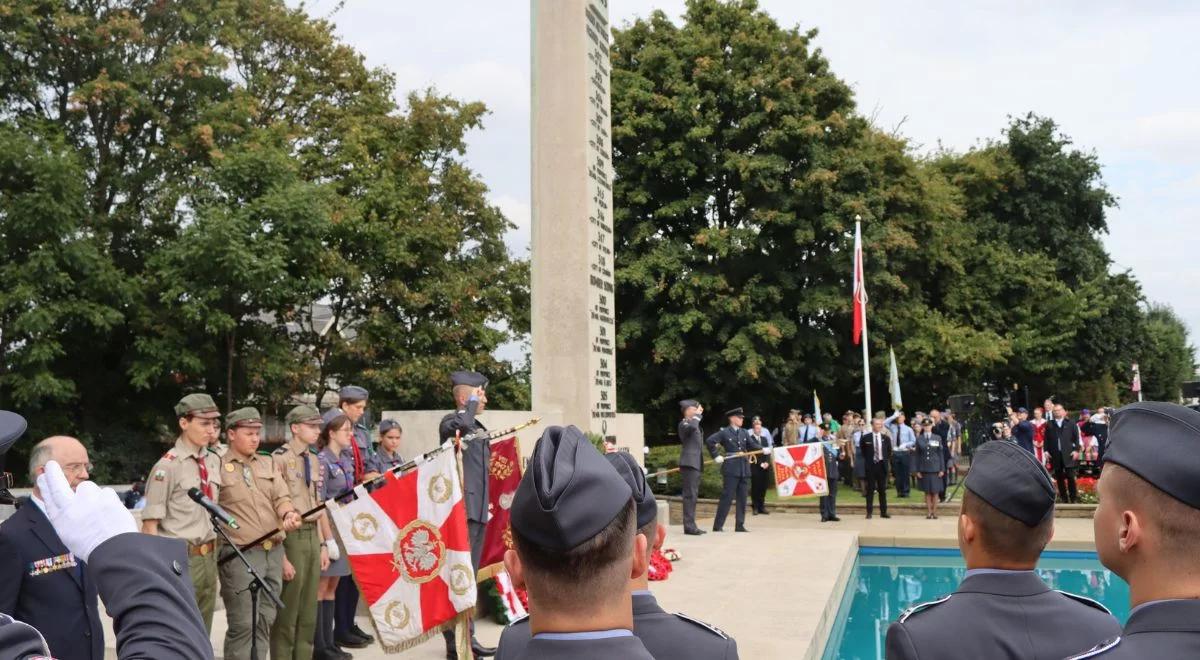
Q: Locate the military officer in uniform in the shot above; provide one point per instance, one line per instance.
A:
(255, 493)
(470, 399)
(691, 461)
(666, 636)
(170, 512)
(575, 548)
(831, 448)
(735, 472)
(1148, 529)
(1002, 609)
(931, 466)
(307, 550)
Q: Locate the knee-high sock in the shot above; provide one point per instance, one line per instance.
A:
(347, 605)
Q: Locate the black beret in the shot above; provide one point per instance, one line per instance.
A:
(12, 427)
(569, 493)
(1158, 442)
(631, 472)
(471, 378)
(736, 412)
(689, 403)
(1010, 479)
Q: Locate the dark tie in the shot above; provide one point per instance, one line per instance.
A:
(307, 469)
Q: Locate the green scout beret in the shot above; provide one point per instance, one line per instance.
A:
(197, 405)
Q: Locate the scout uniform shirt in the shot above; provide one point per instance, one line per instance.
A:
(302, 473)
(254, 492)
(167, 501)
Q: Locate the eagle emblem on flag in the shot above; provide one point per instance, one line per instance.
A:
(800, 470)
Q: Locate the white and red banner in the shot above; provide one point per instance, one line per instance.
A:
(800, 470)
(860, 288)
(410, 553)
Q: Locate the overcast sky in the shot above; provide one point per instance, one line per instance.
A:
(1119, 77)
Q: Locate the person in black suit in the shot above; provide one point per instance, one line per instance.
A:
(876, 448)
(1063, 443)
(41, 582)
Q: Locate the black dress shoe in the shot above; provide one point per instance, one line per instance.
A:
(693, 532)
(351, 642)
(884, 515)
(869, 516)
(481, 651)
(824, 519)
(717, 529)
(835, 519)
(740, 529)
(359, 632)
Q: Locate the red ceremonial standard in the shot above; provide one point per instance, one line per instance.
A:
(800, 470)
(409, 550)
(504, 474)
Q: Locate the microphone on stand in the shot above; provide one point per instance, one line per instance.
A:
(213, 509)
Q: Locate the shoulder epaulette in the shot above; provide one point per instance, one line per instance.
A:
(921, 607)
(1097, 649)
(709, 627)
(280, 451)
(1085, 600)
(524, 618)
(169, 456)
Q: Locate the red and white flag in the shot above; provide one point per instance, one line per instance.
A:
(800, 470)
(860, 288)
(504, 475)
(409, 550)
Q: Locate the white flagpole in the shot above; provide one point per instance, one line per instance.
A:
(866, 352)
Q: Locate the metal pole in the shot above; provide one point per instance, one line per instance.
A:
(866, 353)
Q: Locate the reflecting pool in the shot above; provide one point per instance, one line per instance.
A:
(887, 581)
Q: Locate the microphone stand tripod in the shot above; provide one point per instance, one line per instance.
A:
(257, 584)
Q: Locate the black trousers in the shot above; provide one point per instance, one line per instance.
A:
(829, 502)
(1065, 478)
(902, 471)
(733, 487)
(691, 490)
(877, 474)
(759, 478)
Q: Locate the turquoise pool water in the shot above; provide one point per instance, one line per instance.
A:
(887, 581)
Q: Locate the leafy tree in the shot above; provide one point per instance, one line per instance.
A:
(1167, 359)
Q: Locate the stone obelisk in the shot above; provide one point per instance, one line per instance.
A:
(574, 343)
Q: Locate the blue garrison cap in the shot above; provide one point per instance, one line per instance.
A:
(388, 425)
(643, 498)
(1010, 479)
(470, 378)
(12, 427)
(569, 493)
(353, 392)
(1159, 442)
(689, 403)
(330, 415)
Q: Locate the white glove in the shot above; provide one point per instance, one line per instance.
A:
(766, 451)
(83, 518)
(332, 546)
(719, 459)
